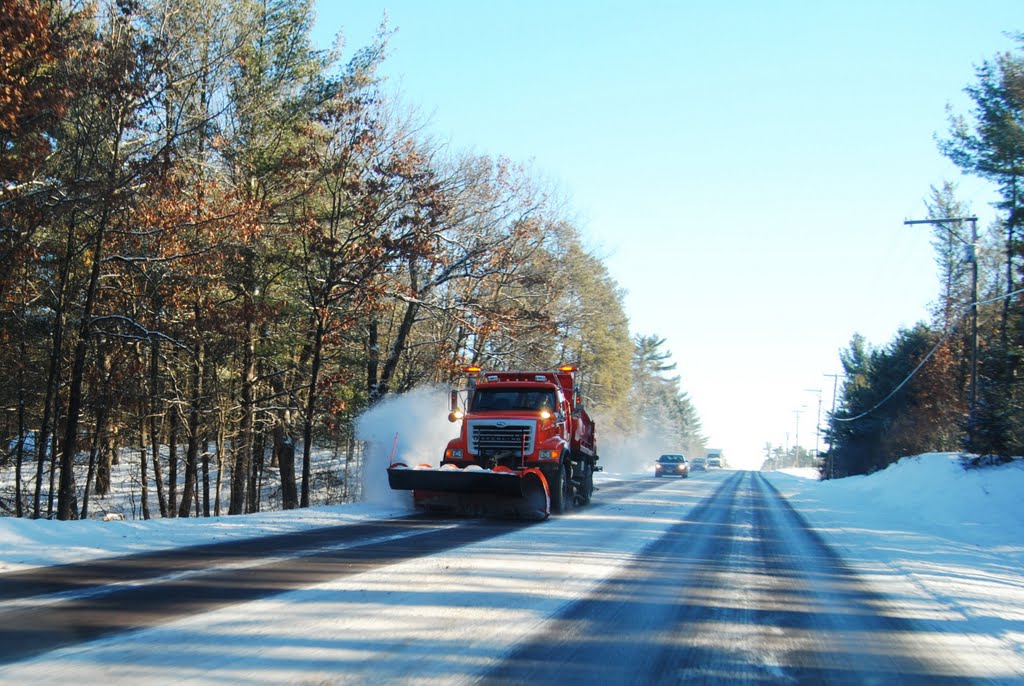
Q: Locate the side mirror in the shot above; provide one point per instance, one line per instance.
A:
(453, 404)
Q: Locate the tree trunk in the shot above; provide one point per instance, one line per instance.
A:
(107, 453)
(206, 470)
(54, 452)
(66, 490)
(284, 446)
(256, 473)
(243, 453)
(311, 398)
(372, 360)
(194, 415)
(1011, 249)
(94, 453)
(395, 351)
(221, 459)
(284, 449)
(53, 374)
(154, 426)
(143, 472)
(19, 451)
(100, 455)
(172, 464)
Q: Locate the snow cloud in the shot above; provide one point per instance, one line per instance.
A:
(633, 453)
(414, 426)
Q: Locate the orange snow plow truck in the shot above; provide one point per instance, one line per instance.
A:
(525, 449)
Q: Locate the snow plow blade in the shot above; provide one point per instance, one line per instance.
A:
(477, 492)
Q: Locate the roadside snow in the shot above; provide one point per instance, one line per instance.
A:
(36, 543)
(945, 544)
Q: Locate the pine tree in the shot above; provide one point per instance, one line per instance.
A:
(991, 145)
(658, 401)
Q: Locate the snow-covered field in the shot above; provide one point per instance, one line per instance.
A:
(945, 544)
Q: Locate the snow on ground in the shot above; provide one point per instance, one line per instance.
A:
(33, 543)
(944, 544)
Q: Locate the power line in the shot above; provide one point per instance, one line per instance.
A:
(906, 380)
(970, 308)
(1001, 297)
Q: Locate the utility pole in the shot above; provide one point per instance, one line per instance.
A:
(830, 469)
(972, 257)
(817, 425)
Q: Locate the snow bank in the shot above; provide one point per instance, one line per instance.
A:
(931, 493)
(928, 533)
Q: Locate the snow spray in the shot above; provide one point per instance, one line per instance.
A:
(412, 428)
(633, 453)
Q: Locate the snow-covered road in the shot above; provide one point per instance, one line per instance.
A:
(710, 579)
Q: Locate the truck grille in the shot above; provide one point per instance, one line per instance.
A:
(488, 438)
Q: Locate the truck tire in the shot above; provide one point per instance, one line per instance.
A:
(561, 490)
(587, 484)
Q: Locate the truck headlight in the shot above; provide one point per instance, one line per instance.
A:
(455, 453)
(548, 455)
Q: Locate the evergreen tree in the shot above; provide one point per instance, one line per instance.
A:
(896, 401)
(991, 145)
(658, 401)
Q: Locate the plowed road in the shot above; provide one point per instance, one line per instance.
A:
(713, 579)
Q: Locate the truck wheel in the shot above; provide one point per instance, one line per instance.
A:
(561, 491)
(587, 486)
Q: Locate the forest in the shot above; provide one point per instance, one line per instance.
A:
(219, 245)
(953, 383)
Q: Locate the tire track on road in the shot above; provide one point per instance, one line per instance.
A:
(740, 592)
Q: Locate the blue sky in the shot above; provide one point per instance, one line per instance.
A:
(744, 168)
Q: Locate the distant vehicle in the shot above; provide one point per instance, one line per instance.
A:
(698, 464)
(672, 465)
(714, 458)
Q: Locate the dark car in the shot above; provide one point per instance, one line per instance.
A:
(672, 465)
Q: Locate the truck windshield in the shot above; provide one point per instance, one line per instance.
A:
(491, 400)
